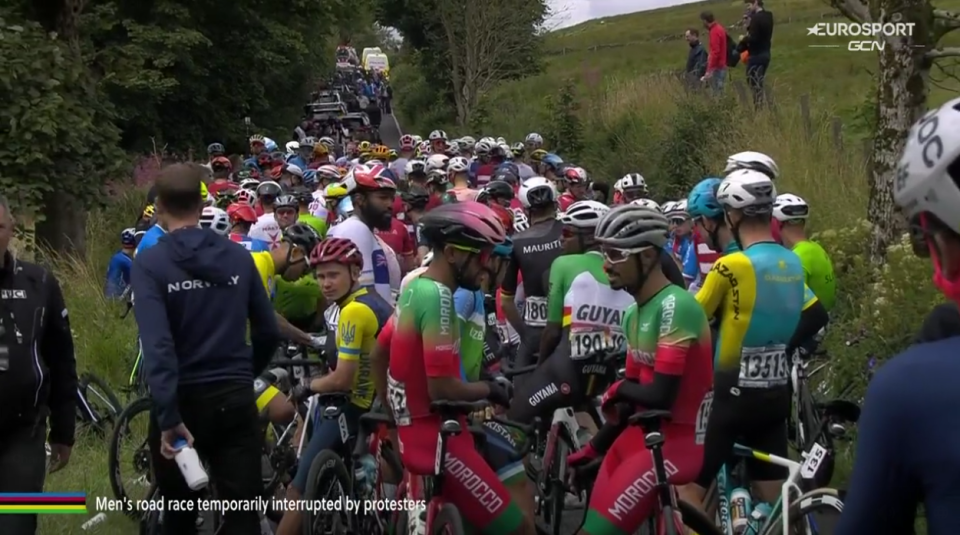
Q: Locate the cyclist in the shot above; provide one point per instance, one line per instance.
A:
(764, 310)
(438, 141)
(305, 198)
(907, 449)
(266, 227)
(147, 219)
(407, 148)
(425, 366)
(576, 187)
(791, 213)
(286, 210)
(363, 313)
(668, 368)
(533, 252)
(710, 232)
(118, 270)
(497, 192)
(457, 174)
(415, 201)
(682, 243)
(242, 217)
(630, 188)
(483, 168)
(216, 220)
(550, 166)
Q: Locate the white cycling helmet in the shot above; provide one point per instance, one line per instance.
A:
(537, 191)
(458, 164)
(630, 181)
(925, 181)
(292, 147)
(467, 143)
(438, 135)
(483, 146)
(329, 171)
(415, 166)
(437, 161)
(328, 142)
(416, 139)
(649, 203)
(747, 190)
(790, 207)
(249, 184)
(507, 152)
(533, 139)
(215, 219)
(667, 207)
(756, 161)
(584, 214)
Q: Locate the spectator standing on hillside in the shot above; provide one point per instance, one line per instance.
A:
(697, 57)
(717, 52)
(757, 43)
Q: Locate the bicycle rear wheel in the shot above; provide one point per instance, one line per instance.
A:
(447, 521)
(122, 442)
(100, 400)
(814, 513)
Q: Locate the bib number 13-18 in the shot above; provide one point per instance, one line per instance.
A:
(764, 368)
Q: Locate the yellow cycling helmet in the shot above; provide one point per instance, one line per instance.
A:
(538, 155)
(364, 146)
(149, 211)
(334, 191)
(203, 191)
(320, 150)
(381, 152)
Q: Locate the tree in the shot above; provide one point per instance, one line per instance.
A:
(902, 91)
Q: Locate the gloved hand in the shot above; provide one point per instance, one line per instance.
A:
(317, 342)
(500, 393)
(582, 456)
(608, 403)
(300, 393)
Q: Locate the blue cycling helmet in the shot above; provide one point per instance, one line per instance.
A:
(504, 249)
(309, 177)
(128, 237)
(269, 145)
(552, 160)
(702, 201)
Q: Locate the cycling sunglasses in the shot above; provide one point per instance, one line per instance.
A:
(615, 255)
(677, 221)
(484, 254)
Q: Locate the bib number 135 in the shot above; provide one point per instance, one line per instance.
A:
(764, 369)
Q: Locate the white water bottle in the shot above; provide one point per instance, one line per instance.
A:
(98, 519)
(189, 463)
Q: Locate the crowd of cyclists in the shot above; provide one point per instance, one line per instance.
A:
(443, 268)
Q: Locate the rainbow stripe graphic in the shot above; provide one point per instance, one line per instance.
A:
(43, 502)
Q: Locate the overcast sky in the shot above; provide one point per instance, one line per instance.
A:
(576, 11)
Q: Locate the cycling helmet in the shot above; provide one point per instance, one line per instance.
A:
(247, 196)
(467, 143)
(495, 189)
(437, 176)
(328, 142)
(538, 155)
(381, 152)
(506, 173)
(269, 144)
(414, 167)
(335, 191)
(286, 201)
(268, 188)
(302, 236)
(149, 211)
(257, 139)
(552, 160)
(537, 191)
(501, 140)
(467, 224)
(310, 177)
(747, 190)
(292, 147)
(505, 151)
(927, 179)
(534, 140)
(756, 161)
(575, 175)
(666, 208)
(789, 207)
(338, 251)
(584, 214)
(631, 181)
(416, 198)
(216, 220)
(505, 249)
(303, 195)
(293, 170)
(369, 178)
(520, 221)
(518, 148)
(458, 164)
(453, 148)
(416, 139)
(320, 150)
(364, 146)
(407, 142)
(438, 135)
(437, 161)
(308, 142)
(329, 171)
(128, 237)
(240, 212)
(629, 226)
(702, 201)
(204, 192)
(680, 207)
(648, 203)
(215, 149)
(423, 147)
(483, 147)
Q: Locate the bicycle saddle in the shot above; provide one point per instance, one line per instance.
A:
(842, 409)
(649, 421)
(333, 398)
(453, 408)
(371, 420)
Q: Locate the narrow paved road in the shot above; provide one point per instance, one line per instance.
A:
(390, 130)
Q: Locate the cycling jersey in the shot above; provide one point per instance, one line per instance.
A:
(377, 267)
(318, 209)
(118, 275)
(150, 238)
(397, 238)
(463, 194)
(318, 224)
(470, 313)
(362, 315)
(667, 335)
(267, 270)
(252, 244)
(424, 344)
(267, 229)
(297, 300)
(818, 271)
(534, 250)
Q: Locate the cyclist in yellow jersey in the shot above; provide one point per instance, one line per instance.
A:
(362, 315)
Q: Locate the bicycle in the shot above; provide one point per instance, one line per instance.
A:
(97, 405)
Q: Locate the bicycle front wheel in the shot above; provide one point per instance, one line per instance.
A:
(814, 513)
(447, 521)
(329, 480)
(100, 399)
(129, 442)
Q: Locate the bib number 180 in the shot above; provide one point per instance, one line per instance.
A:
(535, 312)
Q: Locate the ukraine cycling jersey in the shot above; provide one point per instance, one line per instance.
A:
(362, 315)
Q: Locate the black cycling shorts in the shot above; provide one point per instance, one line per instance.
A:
(754, 418)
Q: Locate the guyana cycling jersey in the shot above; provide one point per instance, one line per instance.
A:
(581, 299)
(818, 271)
(362, 315)
(668, 335)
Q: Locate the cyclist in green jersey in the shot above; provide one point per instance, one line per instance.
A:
(304, 198)
(791, 212)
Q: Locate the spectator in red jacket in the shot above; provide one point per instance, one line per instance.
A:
(716, 52)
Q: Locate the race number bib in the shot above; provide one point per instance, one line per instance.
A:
(584, 343)
(764, 367)
(397, 396)
(808, 470)
(535, 312)
(703, 416)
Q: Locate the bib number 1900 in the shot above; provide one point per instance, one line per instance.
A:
(583, 344)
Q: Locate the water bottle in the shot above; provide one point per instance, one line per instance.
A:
(189, 463)
(760, 513)
(96, 520)
(739, 509)
(365, 472)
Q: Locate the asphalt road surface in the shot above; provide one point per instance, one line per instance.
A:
(390, 130)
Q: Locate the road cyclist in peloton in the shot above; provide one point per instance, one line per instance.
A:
(791, 213)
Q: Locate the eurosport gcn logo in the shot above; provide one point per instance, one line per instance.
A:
(865, 36)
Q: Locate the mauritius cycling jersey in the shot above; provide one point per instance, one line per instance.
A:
(252, 244)
(534, 250)
(362, 315)
(267, 229)
(818, 271)
(758, 294)
(583, 302)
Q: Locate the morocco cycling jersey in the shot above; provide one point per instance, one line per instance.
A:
(668, 335)
(267, 229)
(582, 301)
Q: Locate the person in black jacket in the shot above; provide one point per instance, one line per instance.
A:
(757, 43)
(194, 292)
(38, 376)
(696, 58)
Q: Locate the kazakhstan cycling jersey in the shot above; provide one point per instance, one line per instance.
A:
(758, 295)
(150, 238)
(267, 270)
(582, 301)
(818, 270)
(362, 314)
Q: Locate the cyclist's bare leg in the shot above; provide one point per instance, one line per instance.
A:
(280, 410)
(292, 521)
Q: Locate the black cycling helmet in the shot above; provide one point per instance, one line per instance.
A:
(496, 189)
(269, 188)
(215, 148)
(302, 236)
(303, 195)
(507, 173)
(416, 197)
(286, 201)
